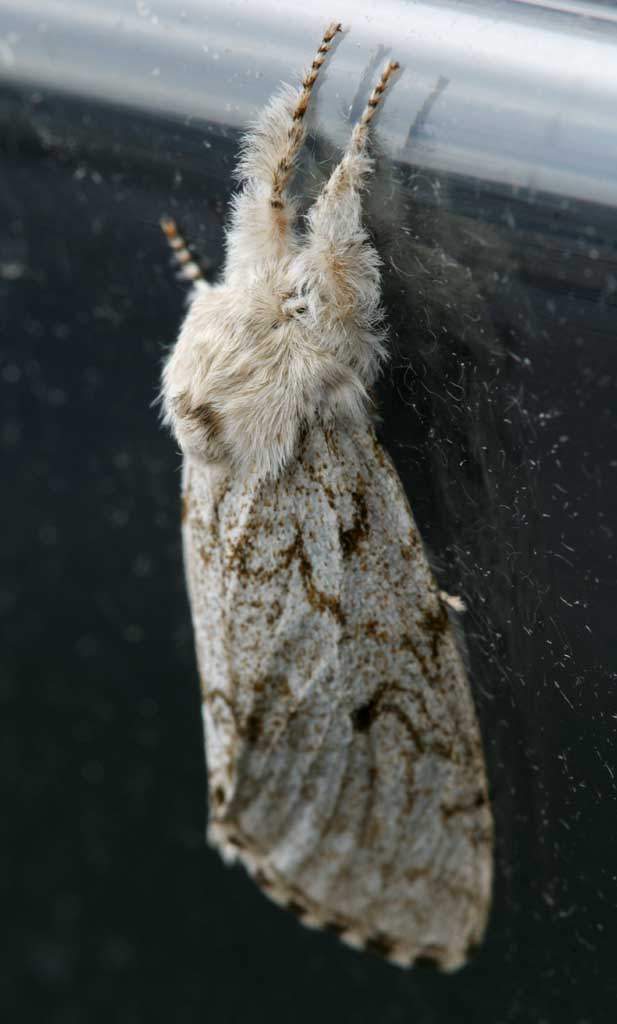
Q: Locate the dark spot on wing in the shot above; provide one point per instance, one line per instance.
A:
(269, 694)
(352, 538)
(363, 717)
(372, 630)
(252, 729)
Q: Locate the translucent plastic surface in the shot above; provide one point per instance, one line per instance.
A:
(526, 92)
(494, 210)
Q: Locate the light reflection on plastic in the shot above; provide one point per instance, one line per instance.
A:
(530, 96)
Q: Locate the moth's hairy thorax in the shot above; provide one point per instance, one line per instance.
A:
(256, 364)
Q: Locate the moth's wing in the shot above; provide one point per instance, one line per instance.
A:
(344, 755)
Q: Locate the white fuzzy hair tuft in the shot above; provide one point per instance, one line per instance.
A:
(294, 331)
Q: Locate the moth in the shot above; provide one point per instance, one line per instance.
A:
(344, 757)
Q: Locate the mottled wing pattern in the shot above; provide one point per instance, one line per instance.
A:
(345, 764)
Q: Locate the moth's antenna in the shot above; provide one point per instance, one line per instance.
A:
(296, 128)
(189, 268)
(360, 132)
(311, 76)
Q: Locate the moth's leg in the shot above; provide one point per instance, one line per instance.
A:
(262, 216)
(189, 268)
(338, 263)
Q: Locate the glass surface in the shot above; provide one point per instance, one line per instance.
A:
(494, 210)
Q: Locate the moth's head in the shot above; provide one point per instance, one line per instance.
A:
(263, 317)
(277, 314)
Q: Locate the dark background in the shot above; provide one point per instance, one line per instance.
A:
(499, 409)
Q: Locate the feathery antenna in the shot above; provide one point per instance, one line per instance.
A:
(189, 268)
(311, 76)
(296, 129)
(361, 129)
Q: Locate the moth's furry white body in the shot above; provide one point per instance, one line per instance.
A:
(345, 765)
